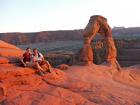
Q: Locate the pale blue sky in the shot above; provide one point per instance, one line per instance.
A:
(45, 15)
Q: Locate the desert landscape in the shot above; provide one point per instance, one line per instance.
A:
(127, 41)
(69, 52)
(77, 85)
(92, 82)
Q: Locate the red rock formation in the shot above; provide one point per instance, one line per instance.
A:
(86, 54)
(78, 85)
(8, 50)
(63, 66)
(98, 24)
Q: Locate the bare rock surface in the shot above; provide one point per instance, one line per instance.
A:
(81, 85)
(8, 50)
(77, 85)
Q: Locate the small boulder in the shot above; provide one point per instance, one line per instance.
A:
(63, 66)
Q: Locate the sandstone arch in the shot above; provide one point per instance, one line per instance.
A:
(98, 24)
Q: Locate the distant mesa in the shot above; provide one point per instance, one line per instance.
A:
(118, 28)
(62, 35)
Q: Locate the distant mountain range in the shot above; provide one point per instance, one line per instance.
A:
(18, 38)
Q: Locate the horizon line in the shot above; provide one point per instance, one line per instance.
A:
(117, 27)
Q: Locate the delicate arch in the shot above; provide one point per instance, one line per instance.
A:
(98, 24)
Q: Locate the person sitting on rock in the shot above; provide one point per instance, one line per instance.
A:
(41, 65)
(26, 58)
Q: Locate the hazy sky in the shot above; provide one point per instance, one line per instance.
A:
(44, 15)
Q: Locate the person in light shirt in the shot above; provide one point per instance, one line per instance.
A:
(40, 63)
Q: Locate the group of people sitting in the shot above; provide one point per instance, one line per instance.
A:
(36, 60)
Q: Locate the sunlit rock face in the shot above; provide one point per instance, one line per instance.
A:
(93, 85)
(72, 85)
(98, 24)
(8, 50)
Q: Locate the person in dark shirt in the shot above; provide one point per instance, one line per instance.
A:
(26, 58)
